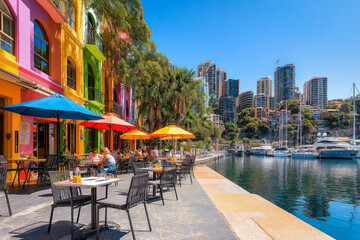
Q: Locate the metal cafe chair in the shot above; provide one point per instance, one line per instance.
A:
(186, 168)
(64, 197)
(167, 179)
(3, 186)
(50, 165)
(135, 196)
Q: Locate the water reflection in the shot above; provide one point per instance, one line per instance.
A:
(321, 192)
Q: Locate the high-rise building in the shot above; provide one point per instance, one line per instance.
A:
(284, 83)
(244, 100)
(264, 85)
(227, 108)
(205, 89)
(263, 101)
(234, 87)
(225, 88)
(208, 70)
(315, 92)
(221, 77)
(297, 94)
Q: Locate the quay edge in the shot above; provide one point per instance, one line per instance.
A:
(249, 215)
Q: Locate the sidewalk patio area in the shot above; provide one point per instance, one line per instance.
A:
(194, 216)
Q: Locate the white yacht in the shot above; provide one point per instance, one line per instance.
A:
(335, 148)
(305, 152)
(280, 152)
(262, 149)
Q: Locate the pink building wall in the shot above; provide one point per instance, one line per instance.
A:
(122, 96)
(25, 12)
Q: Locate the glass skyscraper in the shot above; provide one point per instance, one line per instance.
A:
(284, 83)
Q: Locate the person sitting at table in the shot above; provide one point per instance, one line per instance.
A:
(95, 156)
(155, 152)
(108, 161)
(116, 153)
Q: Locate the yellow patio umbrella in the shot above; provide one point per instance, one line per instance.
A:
(171, 138)
(135, 135)
(172, 131)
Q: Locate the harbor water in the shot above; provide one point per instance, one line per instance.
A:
(321, 192)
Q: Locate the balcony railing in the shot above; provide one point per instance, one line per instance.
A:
(95, 95)
(112, 106)
(90, 36)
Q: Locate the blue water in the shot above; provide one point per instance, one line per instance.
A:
(323, 193)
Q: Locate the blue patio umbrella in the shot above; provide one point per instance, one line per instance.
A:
(55, 106)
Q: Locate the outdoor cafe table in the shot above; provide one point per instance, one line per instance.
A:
(19, 162)
(92, 183)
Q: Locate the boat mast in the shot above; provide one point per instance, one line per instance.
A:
(354, 124)
(286, 122)
(300, 125)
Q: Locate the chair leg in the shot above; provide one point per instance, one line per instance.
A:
(147, 216)
(105, 216)
(97, 223)
(176, 192)
(161, 194)
(180, 179)
(51, 216)
(191, 179)
(8, 202)
(131, 226)
(77, 220)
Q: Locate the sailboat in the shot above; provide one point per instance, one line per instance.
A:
(306, 151)
(282, 151)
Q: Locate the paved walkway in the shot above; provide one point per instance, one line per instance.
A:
(251, 216)
(194, 216)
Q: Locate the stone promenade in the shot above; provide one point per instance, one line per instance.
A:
(194, 216)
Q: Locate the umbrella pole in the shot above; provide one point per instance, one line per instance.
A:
(110, 139)
(58, 138)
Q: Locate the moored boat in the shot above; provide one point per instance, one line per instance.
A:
(335, 148)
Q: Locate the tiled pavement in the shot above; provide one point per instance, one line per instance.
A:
(194, 216)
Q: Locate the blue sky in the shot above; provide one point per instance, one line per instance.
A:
(246, 37)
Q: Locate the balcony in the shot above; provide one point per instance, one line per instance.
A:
(95, 95)
(90, 37)
(112, 106)
(52, 7)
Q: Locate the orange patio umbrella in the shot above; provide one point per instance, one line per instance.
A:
(109, 122)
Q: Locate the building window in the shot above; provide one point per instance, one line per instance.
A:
(6, 28)
(71, 74)
(90, 31)
(41, 48)
(70, 13)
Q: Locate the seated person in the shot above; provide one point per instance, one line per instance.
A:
(108, 161)
(95, 157)
(116, 153)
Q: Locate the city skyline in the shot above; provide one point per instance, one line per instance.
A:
(247, 43)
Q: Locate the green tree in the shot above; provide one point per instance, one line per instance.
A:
(345, 107)
(307, 127)
(292, 105)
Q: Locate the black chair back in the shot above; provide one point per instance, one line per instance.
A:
(3, 174)
(61, 193)
(51, 162)
(137, 190)
(132, 159)
(168, 176)
(136, 166)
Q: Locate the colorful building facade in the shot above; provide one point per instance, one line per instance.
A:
(48, 47)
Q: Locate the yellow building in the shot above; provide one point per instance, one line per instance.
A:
(72, 68)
